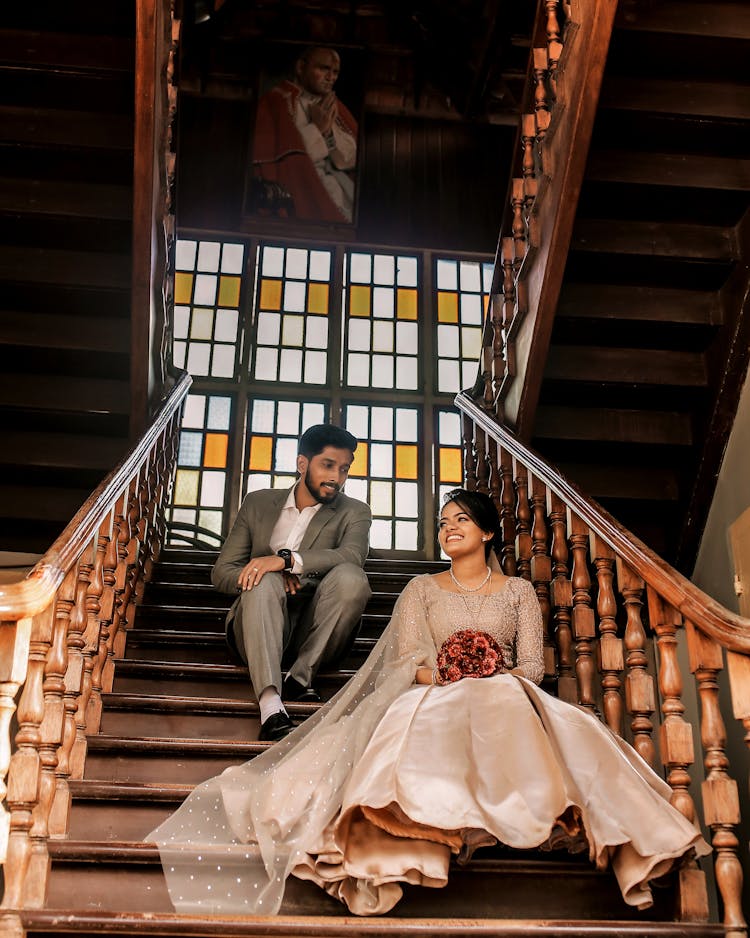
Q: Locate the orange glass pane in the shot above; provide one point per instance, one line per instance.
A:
(270, 294)
(261, 450)
(359, 301)
(450, 465)
(486, 303)
(215, 453)
(183, 287)
(317, 298)
(359, 466)
(406, 462)
(229, 291)
(406, 303)
(447, 307)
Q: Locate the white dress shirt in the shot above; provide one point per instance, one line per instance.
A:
(291, 528)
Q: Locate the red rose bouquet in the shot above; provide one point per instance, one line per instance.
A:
(468, 653)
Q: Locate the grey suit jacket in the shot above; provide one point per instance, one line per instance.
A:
(338, 533)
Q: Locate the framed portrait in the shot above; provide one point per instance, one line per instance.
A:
(304, 146)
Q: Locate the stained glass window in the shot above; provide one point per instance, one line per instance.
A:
(381, 303)
(448, 453)
(385, 472)
(463, 291)
(292, 306)
(273, 432)
(199, 493)
(208, 278)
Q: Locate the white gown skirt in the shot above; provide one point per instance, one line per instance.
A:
(450, 768)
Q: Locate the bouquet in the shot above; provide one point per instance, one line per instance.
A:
(468, 653)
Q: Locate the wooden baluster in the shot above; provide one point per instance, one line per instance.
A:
(562, 600)
(509, 303)
(166, 468)
(541, 568)
(528, 145)
(541, 64)
(470, 472)
(523, 521)
(99, 608)
(507, 512)
(554, 46)
(584, 630)
(611, 660)
(134, 557)
(639, 684)
(482, 457)
(91, 574)
(498, 359)
(518, 227)
(721, 803)
(121, 531)
(496, 487)
(487, 362)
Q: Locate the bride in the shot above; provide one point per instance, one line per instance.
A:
(412, 762)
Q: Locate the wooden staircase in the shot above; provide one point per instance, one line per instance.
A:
(66, 151)
(181, 710)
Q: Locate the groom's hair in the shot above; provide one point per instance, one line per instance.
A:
(482, 511)
(315, 439)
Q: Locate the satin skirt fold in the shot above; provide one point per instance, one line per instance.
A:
(493, 760)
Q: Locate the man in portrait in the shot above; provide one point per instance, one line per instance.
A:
(305, 143)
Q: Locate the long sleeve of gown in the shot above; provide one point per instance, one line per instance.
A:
(529, 645)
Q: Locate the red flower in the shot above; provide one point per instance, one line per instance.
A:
(468, 653)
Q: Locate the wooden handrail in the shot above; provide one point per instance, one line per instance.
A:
(731, 630)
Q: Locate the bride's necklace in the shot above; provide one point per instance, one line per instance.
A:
(469, 589)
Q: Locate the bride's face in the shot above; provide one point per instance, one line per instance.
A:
(459, 536)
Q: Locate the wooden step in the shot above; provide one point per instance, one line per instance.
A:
(704, 99)
(66, 268)
(623, 482)
(613, 425)
(60, 450)
(668, 169)
(643, 304)
(653, 367)
(74, 395)
(52, 331)
(36, 49)
(104, 92)
(683, 17)
(20, 502)
(79, 129)
(59, 197)
(654, 239)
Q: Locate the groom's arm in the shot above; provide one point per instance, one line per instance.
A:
(235, 553)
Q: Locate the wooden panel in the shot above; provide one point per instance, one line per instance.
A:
(655, 239)
(625, 365)
(721, 20)
(650, 304)
(699, 99)
(620, 426)
(58, 197)
(43, 127)
(65, 267)
(668, 169)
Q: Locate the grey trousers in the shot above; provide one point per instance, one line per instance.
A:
(310, 629)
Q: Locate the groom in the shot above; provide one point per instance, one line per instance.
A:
(296, 557)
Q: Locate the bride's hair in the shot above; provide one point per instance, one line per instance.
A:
(481, 509)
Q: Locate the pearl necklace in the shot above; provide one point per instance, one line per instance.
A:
(470, 589)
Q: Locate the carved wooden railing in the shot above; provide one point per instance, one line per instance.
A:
(609, 603)
(60, 630)
(564, 77)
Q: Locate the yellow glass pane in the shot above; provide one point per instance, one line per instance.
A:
(447, 307)
(406, 303)
(450, 465)
(261, 450)
(186, 487)
(359, 466)
(317, 298)
(406, 461)
(270, 294)
(229, 291)
(359, 300)
(215, 453)
(183, 287)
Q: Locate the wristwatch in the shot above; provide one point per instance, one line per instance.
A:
(286, 556)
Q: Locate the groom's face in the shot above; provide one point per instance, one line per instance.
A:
(324, 475)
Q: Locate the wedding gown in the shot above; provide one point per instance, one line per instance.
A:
(390, 778)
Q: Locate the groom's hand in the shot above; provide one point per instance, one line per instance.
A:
(254, 571)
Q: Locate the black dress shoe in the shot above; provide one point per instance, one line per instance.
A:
(293, 690)
(275, 727)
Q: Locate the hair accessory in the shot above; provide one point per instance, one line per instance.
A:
(470, 589)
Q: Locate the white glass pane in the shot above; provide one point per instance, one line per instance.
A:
(212, 489)
(294, 296)
(290, 368)
(178, 353)
(381, 460)
(222, 365)
(407, 374)
(380, 534)
(382, 336)
(407, 499)
(205, 289)
(320, 265)
(407, 533)
(471, 342)
(360, 268)
(219, 410)
(198, 355)
(406, 425)
(357, 420)
(286, 455)
(269, 325)
(317, 332)
(195, 411)
(449, 428)
(291, 331)
(385, 269)
(264, 413)
(382, 371)
(358, 370)
(381, 498)
(288, 418)
(184, 258)
(296, 263)
(181, 321)
(257, 481)
(312, 414)
(202, 324)
(359, 335)
(208, 256)
(383, 302)
(469, 372)
(356, 488)
(226, 325)
(267, 364)
(470, 276)
(471, 309)
(407, 271)
(407, 338)
(449, 378)
(447, 341)
(231, 258)
(315, 367)
(210, 520)
(184, 515)
(273, 262)
(382, 423)
(283, 481)
(447, 275)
